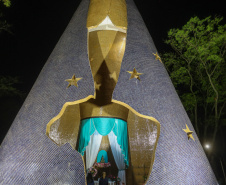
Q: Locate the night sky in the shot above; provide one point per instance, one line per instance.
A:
(38, 25)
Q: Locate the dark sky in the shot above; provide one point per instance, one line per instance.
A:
(38, 25)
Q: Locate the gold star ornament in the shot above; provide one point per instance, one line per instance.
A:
(134, 74)
(73, 81)
(157, 57)
(188, 132)
(97, 86)
(113, 76)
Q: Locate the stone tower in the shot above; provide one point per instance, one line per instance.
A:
(27, 155)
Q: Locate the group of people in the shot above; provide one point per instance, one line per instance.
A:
(102, 181)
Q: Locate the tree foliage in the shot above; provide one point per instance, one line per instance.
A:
(7, 86)
(7, 3)
(4, 26)
(198, 70)
(7, 83)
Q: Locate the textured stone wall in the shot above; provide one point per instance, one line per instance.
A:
(28, 156)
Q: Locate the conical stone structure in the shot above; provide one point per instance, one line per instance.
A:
(28, 156)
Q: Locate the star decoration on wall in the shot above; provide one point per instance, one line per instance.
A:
(73, 81)
(134, 74)
(188, 132)
(157, 57)
(113, 76)
(97, 86)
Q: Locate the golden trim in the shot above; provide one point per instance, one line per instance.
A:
(131, 116)
(62, 111)
(99, 10)
(85, 100)
(154, 122)
(134, 111)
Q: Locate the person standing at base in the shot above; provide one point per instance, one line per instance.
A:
(89, 179)
(103, 180)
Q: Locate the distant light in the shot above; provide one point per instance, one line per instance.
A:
(207, 146)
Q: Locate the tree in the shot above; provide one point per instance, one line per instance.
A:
(4, 26)
(7, 3)
(197, 68)
(7, 86)
(7, 83)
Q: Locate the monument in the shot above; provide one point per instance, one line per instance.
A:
(28, 156)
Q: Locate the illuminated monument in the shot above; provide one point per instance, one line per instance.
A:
(122, 60)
